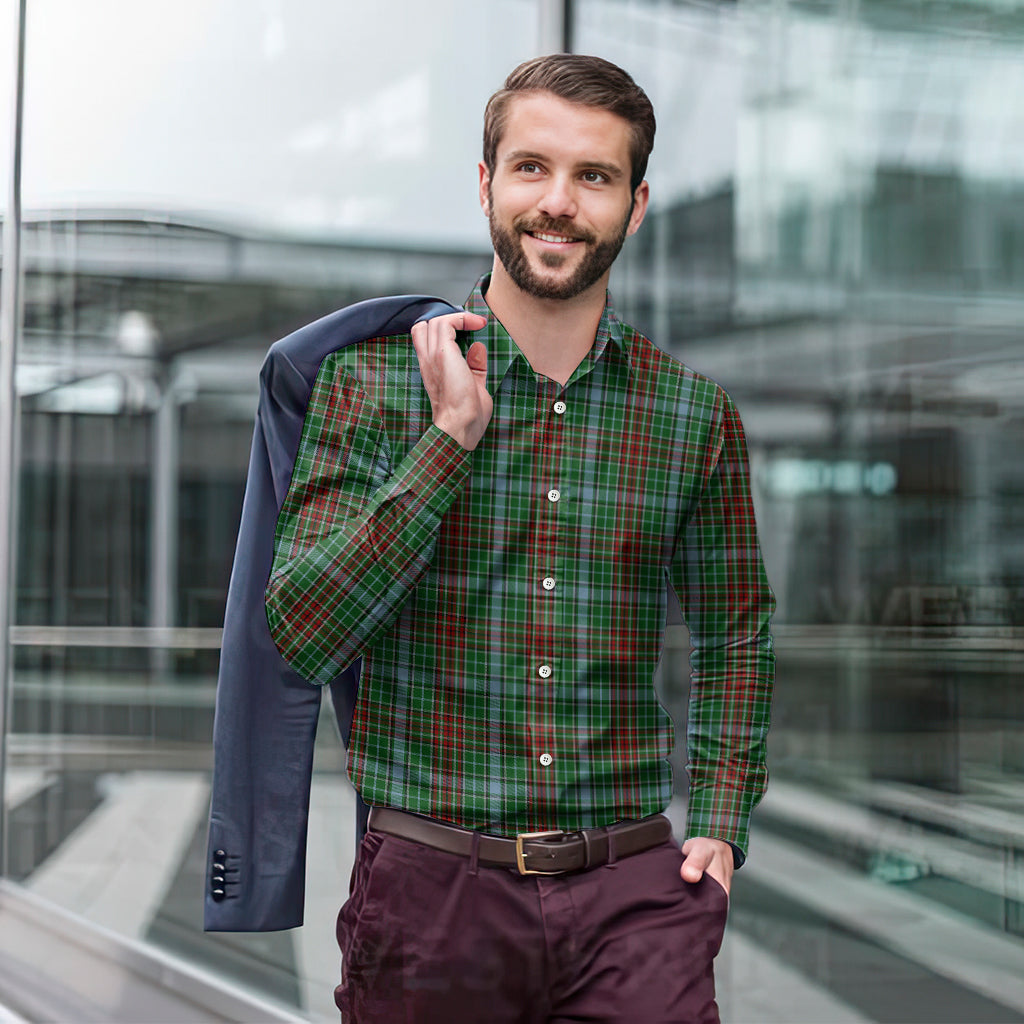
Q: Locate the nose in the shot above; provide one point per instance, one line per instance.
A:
(559, 198)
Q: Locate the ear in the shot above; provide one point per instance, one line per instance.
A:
(485, 183)
(640, 199)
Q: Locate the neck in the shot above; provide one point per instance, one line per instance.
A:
(554, 334)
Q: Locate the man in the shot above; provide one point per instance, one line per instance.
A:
(489, 517)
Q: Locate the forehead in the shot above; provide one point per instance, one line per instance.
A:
(545, 124)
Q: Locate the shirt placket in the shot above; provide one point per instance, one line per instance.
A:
(545, 666)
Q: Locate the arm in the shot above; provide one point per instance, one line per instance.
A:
(725, 599)
(355, 533)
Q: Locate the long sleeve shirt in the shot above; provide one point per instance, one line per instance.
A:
(510, 602)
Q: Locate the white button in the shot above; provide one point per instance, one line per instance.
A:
(544, 671)
(548, 583)
(545, 759)
(554, 494)
(559, 407)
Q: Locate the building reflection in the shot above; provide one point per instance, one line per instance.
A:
(854, 281)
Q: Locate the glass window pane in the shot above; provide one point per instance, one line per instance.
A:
(353, 120)
(8, 23)
(836, 236)
(200, 178)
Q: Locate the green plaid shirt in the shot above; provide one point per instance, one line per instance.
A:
(509, 603)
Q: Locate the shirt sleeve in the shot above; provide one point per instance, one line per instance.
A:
(355, 533)
(725, 599)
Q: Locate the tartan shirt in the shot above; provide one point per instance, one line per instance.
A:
(510, 602)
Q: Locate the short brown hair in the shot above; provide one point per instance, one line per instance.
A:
(577, 78)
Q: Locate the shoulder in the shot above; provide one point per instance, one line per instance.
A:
(298, 357)
(371, 358)
(380, 376)
(669, 377)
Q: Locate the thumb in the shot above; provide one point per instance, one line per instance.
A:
(477, 357)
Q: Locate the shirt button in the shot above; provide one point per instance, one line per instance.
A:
(548, 583)
(559, 407)
(545, 759)
(544, 671)
(554, 494)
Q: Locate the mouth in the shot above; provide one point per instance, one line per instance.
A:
(546, 236)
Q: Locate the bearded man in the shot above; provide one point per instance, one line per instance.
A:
(487, 512)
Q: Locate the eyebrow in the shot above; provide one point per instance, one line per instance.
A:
(613, 171)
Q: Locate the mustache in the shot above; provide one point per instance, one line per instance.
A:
(552, 226)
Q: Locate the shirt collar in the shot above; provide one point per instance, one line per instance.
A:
(502, 351)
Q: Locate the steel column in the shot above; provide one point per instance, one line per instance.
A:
(10, 321)
(554, 24)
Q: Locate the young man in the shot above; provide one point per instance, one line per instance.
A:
(489, 517)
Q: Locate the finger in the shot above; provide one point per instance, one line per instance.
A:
(435, 340)
(441, 330)
(472, 321)
(695, 864)
(419, 334)
(477, 357)
(444, 327)
(691, 872)
(463, 320)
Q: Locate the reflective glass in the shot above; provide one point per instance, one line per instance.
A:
(8, 54)
(8, 22)
(836, 236)
(200, 178)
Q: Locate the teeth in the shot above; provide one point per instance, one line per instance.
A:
(551, 238)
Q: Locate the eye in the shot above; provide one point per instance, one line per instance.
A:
(594, 177)
(529, 167)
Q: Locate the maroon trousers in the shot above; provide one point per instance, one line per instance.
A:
(433, 938)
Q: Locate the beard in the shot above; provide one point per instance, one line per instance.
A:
(599, 255)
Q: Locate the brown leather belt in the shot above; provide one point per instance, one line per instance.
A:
(530, 853)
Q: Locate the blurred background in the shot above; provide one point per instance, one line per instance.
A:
(836, 235)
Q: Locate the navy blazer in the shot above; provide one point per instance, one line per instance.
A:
(266, 714)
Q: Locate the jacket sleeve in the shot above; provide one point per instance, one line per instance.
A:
(726, 602)
(355, 532)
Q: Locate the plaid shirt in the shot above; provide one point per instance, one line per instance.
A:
(510, 602)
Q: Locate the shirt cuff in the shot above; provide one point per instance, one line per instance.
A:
(435, 470)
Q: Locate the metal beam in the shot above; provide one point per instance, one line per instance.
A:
(163, 519)
(10, 318)
(553, 26)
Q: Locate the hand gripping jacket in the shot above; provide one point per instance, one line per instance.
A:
(266, 714)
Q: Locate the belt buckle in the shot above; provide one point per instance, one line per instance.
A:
(520, 855)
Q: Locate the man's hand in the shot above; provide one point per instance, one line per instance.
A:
(711, 855)
(457, 386)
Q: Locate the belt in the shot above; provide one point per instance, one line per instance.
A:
(530, 853)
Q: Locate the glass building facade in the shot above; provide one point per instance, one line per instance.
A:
(836, 235)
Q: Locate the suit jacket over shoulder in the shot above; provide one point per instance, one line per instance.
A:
(266, 714)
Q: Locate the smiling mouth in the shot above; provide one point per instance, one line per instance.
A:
(546, 237)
